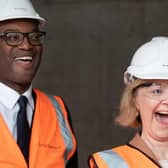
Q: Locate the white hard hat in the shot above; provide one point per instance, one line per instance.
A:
(18, 9)
(150, 61)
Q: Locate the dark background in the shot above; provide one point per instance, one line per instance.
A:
(89, 45)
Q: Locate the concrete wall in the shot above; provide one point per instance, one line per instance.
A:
(89, 44)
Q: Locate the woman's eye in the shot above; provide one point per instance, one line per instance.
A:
(156, 91)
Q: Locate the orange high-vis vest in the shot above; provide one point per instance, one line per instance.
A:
(52, 142)
(121, 157)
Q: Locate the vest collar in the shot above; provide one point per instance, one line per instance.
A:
(138, 143)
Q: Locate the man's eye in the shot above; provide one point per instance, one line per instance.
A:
(35, 37)
(13, 37)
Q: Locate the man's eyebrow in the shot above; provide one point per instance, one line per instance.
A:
(8, 30)
(16, 30)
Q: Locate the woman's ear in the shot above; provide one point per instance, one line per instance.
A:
(136, 101)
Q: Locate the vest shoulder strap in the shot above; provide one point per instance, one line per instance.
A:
(111, 159)
(65, 129)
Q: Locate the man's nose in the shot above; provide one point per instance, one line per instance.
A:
(25, 44)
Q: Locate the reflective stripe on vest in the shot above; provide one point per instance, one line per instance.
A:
(112, 159)
(64, 128)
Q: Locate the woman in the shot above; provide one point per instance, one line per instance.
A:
(144, 105)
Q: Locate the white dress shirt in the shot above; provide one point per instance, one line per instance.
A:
(9, 107)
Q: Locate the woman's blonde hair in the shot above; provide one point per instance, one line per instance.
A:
(129, 115)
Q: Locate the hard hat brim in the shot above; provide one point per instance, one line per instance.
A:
(41, 20)
(129, 77)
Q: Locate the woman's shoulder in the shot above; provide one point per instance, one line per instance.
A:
(110, 156)
(124, 147)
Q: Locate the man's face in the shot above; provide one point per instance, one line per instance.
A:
(18, 64)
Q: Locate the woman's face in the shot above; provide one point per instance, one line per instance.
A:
(152, 103)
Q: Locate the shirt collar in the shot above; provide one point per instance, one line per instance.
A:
(9, 97)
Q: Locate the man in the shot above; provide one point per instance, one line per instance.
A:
(34, 126)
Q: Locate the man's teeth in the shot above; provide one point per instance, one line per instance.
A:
(24, 59)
